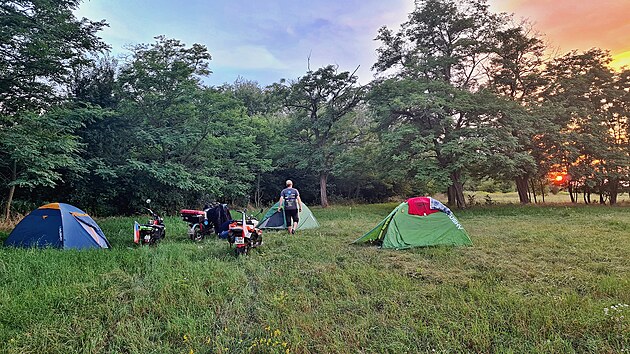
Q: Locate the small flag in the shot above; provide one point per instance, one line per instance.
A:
(136, 232)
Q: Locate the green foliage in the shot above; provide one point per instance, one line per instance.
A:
(594, 118)
(434, 90)
(93, 83)
(463, 95)
(40, 42)
(35, 148)
(185, 143)
(324, 122)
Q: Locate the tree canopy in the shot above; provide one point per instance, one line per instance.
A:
(462, 97)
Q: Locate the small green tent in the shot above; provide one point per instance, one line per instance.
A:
(274, 219)
(420, 221)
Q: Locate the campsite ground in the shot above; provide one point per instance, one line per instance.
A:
(538, 279)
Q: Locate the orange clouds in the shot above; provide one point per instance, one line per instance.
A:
(577, 24)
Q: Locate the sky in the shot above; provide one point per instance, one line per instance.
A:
(268, 40)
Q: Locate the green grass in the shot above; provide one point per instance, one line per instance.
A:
(538, 279)
(512, 197)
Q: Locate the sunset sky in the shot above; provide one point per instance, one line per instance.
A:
(273, 39)
(578, 24)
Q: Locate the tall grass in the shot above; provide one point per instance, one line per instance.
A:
(538, 279)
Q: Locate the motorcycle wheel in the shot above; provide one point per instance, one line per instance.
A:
(154, 240)
(196, 235)
(241, 251)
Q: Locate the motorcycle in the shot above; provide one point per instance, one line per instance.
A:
(244, 234)
(203, 223)
(151, 232)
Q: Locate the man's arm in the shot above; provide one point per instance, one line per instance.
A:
(299, 203)
(280, 203)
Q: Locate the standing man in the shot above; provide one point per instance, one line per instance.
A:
(290, 200)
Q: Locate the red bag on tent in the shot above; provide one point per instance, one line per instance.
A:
(420, 206)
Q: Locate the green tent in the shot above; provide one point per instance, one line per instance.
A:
(274, 219)
(418, 222)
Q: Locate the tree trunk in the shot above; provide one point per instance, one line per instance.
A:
(587, 194)
(7, 210)
(534, 191)
(613, 191)
(576, 191)
(323, 180)
(258, 194)
(571, 192)
(542, 191)
(585, 197)
(456, 191)
(521, 187)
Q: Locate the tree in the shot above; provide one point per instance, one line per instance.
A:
(254, 98)
(434, 65)
(34, 147)
(324, 122)
(161, 99)
(40, 41)
(514, 72)
(593, 145)
(189, 143)
(93, 83)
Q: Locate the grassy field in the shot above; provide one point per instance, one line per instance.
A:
(484, 198)
(538, 279)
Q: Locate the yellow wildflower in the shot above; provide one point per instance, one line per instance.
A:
(185, 338)
(284, 344)
(208, 340)
(276, 332)
(268, 328)
(191, 351)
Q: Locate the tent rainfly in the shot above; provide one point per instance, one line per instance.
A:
(274, 219)
(57, 225)
(418, 222)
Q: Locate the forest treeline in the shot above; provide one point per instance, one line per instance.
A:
(460, 95)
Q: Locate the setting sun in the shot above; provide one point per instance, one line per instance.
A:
(621, 60)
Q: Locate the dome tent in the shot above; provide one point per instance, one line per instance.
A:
(274, 219)
(418, 222)
(57, 225)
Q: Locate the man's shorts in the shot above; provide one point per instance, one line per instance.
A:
(291, 214)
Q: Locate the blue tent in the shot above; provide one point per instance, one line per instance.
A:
(57, 225)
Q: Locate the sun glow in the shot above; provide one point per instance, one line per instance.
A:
(620, 60)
